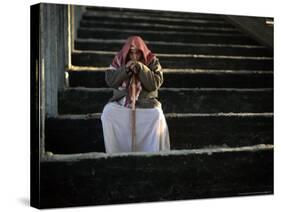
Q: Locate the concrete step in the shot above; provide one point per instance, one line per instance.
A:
(98, 179)
(92, 24)
(187, 61)
(185, 78)
(68, 134)
(175, 100)
(156, 35)
(177, 48)
(153, 13)
(190, 21)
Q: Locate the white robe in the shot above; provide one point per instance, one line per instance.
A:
(152, 134)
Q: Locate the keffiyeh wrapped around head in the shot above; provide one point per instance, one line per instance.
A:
(134, 41)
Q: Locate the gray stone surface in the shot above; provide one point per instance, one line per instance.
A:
(53, 42)
(187, 78)
(131, 179)
(175, 100)
(96, 59)
(255, 27)
(83, 133)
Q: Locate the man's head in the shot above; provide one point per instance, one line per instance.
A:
(128, 52)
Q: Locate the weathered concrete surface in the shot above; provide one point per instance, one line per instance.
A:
(91, 24)
(53, 52)
(192, 20)
(76, 134)
(176, 47)
(255, 27)
(153, 13)
(173, 61)
(82, 101)
(129, 179)
(184, 79)
(189, 37)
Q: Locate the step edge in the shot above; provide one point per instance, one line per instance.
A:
(134, 31)
(75, 68)
(121, 41)
(50, 157)
(157, 13)
(90, 116)
(107, 89)
(102, 8)
(206, 56)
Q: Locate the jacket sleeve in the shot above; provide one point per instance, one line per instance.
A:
(151, 77)
(115, 77)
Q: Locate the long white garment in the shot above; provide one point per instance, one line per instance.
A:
(152, 133)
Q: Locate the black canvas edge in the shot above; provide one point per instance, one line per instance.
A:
(34, 107)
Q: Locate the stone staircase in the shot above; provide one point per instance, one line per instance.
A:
(217, 97)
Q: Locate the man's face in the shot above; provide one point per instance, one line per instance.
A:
(135, 54)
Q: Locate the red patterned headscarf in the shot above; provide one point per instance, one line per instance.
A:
(121, 59)
(133, 41)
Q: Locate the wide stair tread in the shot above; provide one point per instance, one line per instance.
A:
(96, 179)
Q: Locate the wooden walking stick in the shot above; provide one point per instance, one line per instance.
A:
(133, 120)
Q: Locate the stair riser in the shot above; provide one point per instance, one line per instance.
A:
(216, 101)
(104, 60)
(74, 136)
(153, 27)
(200, 132)
(158, 178)
(154, 13)
(67, 136)
(194, 38)
(194, 101)
(96, 79)
(175, 49)
(138, 19)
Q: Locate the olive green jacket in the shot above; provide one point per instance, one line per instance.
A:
(151, 78)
